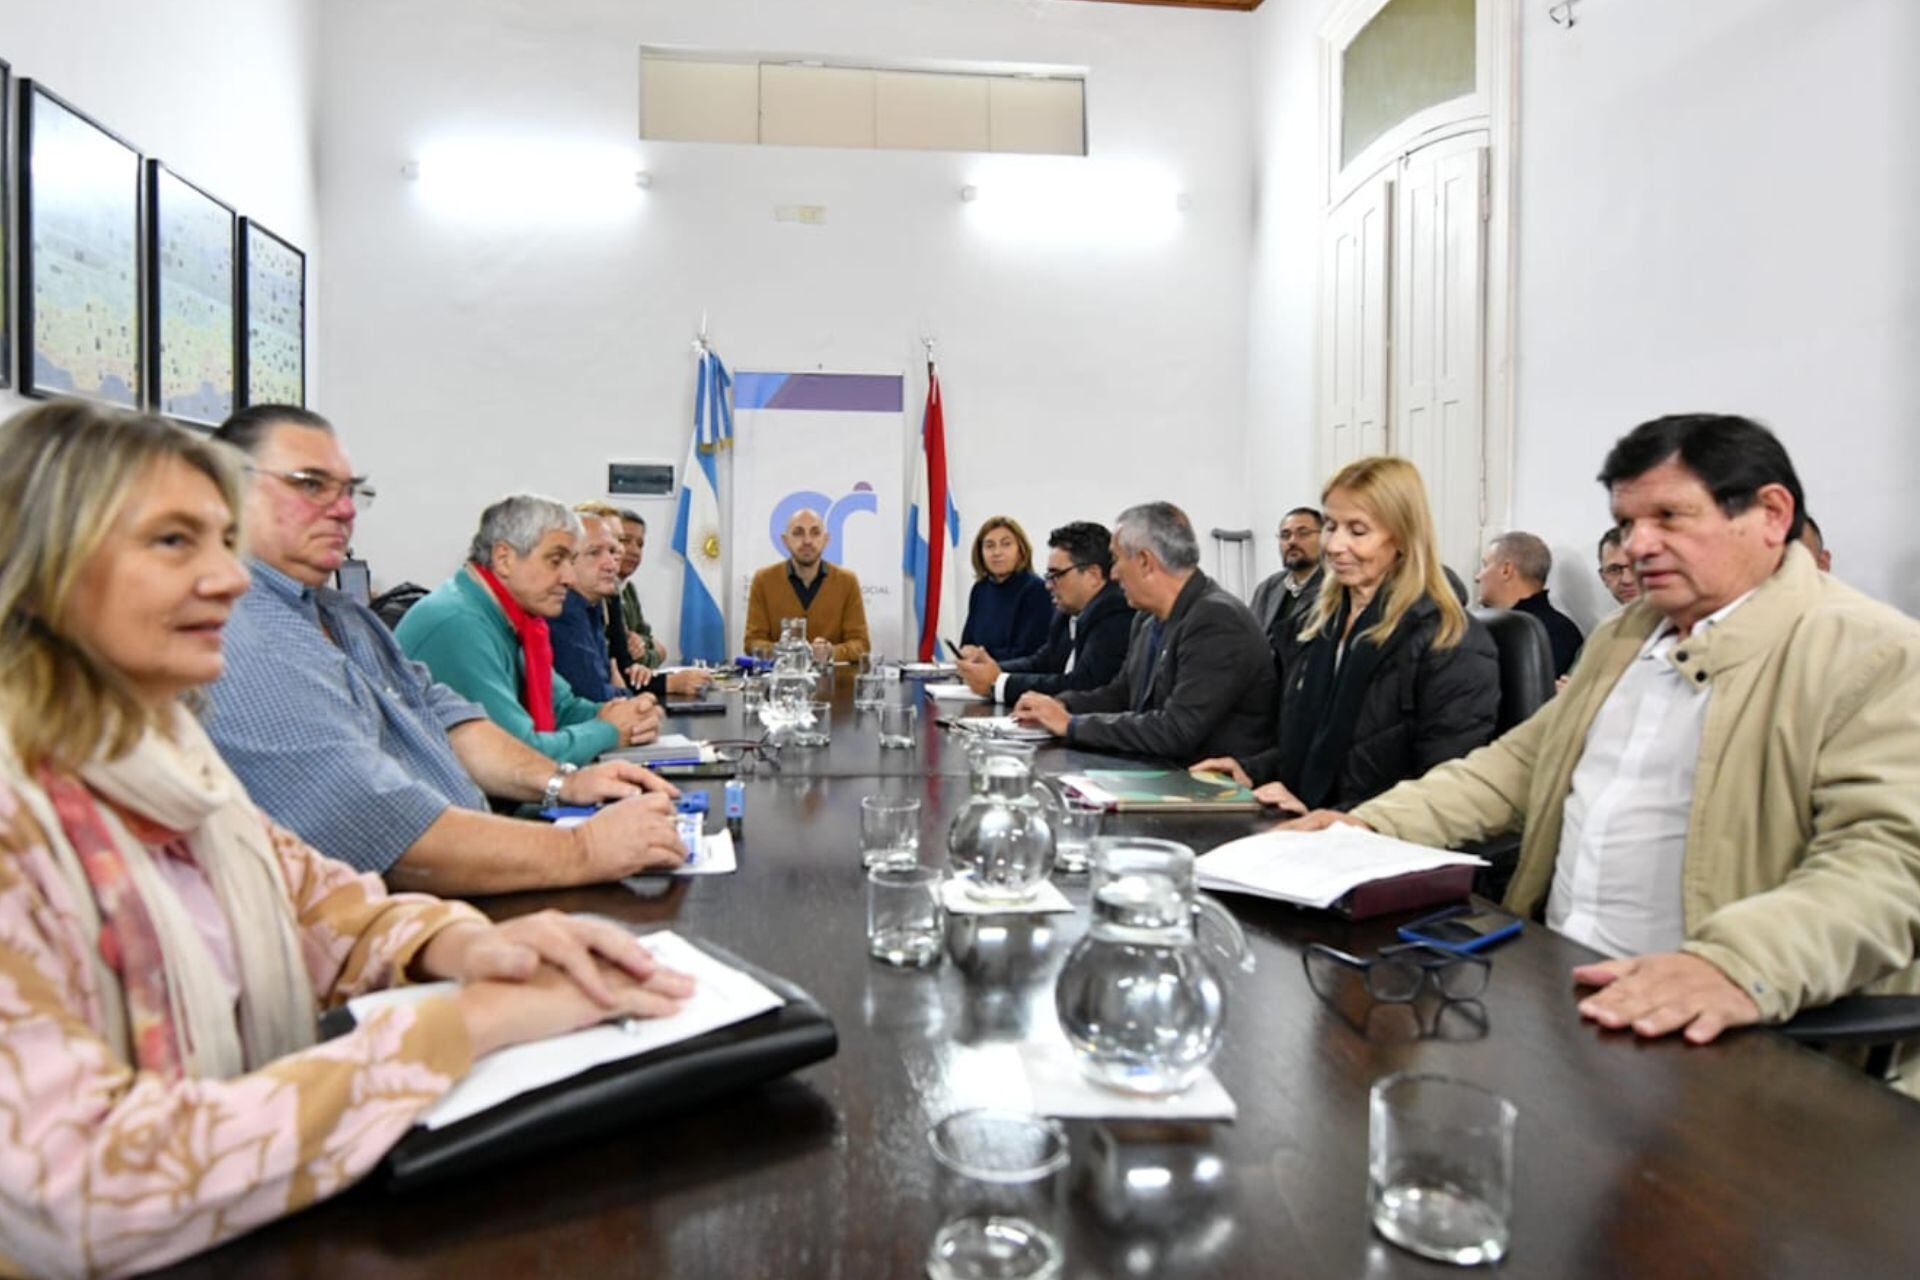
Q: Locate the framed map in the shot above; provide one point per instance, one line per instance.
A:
(273, 309)
(191, 295)
(79, 255)
(6, 225)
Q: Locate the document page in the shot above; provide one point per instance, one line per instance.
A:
(722, 996)
(1317, 868)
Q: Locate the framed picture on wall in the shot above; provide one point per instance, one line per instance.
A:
(192, 295)
(6, 225)
(79, 253)
(273, 316)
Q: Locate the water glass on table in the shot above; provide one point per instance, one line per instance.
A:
(869, 690)
(1440, 1167)
(896, 725)
(906, 925)
(1001, 1185)
(1079, 820)
(889, 831)
(753, 692)
(815, 728)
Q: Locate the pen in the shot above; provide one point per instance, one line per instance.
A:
(951, 647)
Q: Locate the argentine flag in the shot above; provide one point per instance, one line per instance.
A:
(696, 525)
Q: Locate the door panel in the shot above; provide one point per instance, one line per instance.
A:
(1354, 328)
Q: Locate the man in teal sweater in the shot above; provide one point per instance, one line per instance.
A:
(483, 633)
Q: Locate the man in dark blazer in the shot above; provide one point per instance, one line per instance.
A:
(1087, 642)
(1198, 679)
(1513, 575)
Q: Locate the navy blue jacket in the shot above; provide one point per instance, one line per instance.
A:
(1009, 618)
(1098, 645)
(580, 650)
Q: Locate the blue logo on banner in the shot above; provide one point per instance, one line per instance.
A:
(833, 511)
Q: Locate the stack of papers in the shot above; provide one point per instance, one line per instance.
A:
(1317, 868)
(668, 748)
(954, 692)
(722, 996)
(1002, 727)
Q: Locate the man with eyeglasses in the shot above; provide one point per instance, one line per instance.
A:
(1616, 569)
(1087, 641)
(1279, 602)
(339, 736)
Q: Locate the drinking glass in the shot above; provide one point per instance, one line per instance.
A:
(815, 728)
(1000, 1186)
(889, 831)
(869, 690)
(753, 692)
(1073, 837)
(905, 921)
(896, 725)
(1440, 1167)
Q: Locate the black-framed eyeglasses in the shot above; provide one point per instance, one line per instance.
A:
(322, 489)
(1054, 575)
(1608, 572)
(1399, 973)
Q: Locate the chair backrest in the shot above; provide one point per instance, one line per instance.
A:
(392, 604)
(1526, 664)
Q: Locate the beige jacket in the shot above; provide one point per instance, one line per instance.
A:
(1802, 873)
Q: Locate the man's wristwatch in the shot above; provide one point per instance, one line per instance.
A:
(561, 773)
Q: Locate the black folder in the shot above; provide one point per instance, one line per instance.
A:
(667, 1081)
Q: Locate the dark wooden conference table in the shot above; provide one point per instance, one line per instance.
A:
(1753, 1157)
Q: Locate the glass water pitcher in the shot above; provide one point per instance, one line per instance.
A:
(1000, 844)
(1140, 1001)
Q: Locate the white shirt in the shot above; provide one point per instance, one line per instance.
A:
(1623, 834)
(1073, 633)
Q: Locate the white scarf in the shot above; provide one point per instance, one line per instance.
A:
(178, 781)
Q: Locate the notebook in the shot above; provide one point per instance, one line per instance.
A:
(1128, 790)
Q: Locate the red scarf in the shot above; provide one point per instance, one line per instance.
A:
(536, 647)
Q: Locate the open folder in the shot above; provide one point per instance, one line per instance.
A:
(751, 1027)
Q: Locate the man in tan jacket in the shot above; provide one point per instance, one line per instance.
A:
(1726, 798)
(806, 586)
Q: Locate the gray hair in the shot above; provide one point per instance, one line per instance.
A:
(1527, 554)
(1163, 529)
(520, 520)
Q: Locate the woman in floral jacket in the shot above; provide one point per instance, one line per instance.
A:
(164, 948)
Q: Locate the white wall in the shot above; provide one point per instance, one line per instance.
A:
(1284, 279)
(1718, 211)
(472, 355)
(222, 90)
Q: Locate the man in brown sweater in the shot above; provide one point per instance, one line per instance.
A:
(805, 585)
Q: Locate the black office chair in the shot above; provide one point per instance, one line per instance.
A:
(1526, 664)
(1878, 1022)
(1526, 682)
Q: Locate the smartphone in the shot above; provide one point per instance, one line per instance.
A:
(694, 707)
(1463, 929)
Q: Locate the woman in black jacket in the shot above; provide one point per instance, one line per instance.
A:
(1393, 676)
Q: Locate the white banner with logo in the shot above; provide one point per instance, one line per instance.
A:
(833, 443)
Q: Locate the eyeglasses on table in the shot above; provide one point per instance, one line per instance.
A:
(1398, 973)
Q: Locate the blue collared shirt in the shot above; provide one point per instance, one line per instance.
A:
(344, 741)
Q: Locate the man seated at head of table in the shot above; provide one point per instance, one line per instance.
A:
(1726, 798)
(340, 737)
(165, 949)
(483, 633)
(1388, 674)
(805, 585)
(1198, 679)
(582, 652)
(1087, 642)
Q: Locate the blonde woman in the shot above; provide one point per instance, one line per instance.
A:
(164, 948)
(1009, 611)
(1392, 675)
